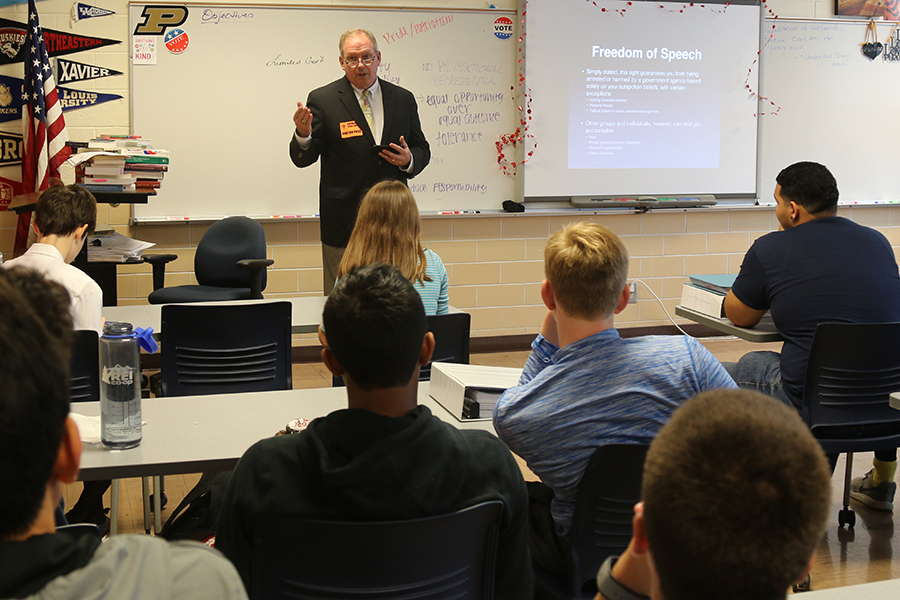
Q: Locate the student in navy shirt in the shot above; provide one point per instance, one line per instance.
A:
(820, 268)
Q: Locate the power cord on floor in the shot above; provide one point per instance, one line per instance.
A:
(658, 299)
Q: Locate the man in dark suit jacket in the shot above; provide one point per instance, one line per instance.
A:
(342, 122)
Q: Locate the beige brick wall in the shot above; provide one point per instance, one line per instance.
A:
(495, 262)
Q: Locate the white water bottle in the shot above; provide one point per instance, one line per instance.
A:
(120, 389)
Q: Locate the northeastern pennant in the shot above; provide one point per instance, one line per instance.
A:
(58, 43)
(43, 126)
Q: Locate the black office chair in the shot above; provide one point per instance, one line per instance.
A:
(439, 557)
(451, 342)
(230, 264)
(852, 371)
(85, 367)
(225, 348)
(601, 523)
(85, 387)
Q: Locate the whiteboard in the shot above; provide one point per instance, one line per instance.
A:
(223, 106)
(838, 107)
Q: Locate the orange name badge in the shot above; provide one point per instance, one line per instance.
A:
(350, 129)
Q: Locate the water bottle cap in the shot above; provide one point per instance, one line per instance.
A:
(145, 339)
(117, 329)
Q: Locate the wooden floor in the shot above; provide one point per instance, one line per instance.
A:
(845, 557)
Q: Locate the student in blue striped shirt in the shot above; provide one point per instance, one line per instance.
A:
(583, 386)
(387, 230)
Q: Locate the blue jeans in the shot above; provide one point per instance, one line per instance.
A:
(759, 372)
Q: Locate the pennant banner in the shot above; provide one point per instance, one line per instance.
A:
(12, 39)
(86, 11)
(8, 189)
(72, 99)
(11, 101)
(68, 71)
(10, 148)
(10, 98)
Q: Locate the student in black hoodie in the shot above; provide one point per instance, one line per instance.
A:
(384, 457)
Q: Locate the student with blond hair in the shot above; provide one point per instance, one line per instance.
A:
(583, 386)
(387, 230)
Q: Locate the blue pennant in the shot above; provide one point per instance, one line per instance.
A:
(10, 98)
(86, 11)
(72, 99)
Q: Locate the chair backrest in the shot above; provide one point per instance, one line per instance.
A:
(85, 367)
(451, 340)
(222, 246)
(604, 508)
(440, 557)
(451, 343)
(225, 348)
(853, 369)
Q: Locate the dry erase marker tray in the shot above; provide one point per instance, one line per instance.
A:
(642, 201)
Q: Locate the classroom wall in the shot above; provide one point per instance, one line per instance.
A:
(494, 262)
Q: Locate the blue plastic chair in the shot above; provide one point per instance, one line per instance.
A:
(853, 369)
(432, 558)
(601, 523)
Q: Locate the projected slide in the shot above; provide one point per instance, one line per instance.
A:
(633, 113)
(651, 99)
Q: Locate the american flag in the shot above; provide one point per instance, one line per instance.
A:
(43, 126)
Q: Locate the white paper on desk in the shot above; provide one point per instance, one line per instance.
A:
(80, 157)
(88, 428)
(115, 247)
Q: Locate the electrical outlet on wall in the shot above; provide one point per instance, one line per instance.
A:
(632, 292)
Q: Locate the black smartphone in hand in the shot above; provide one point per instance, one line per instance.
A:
(377, 148)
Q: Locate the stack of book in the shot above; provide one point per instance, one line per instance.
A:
(111, 163)
(105, 172)
(706, 294)
(148, 167)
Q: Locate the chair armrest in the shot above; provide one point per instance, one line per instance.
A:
(158, 262)
(257, 266)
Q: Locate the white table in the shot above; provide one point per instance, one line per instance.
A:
(878, 590)
(190, 434)
(764, 331)
(306, 313)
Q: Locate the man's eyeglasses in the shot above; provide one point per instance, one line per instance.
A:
(354, 62)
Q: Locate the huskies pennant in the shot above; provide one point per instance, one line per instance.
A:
(12, 39)
(68, 71)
